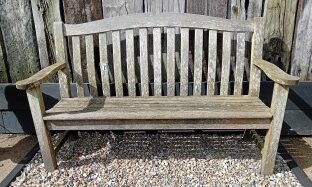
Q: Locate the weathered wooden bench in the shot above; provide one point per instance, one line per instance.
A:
(128, 104)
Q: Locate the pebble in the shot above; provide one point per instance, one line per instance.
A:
(96, 159)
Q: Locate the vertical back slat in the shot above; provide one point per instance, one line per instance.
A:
(61, 57)
(77, 65)
(90, 65)
(130, 63)
(198, 61)
(170, 61)
(157, 60)
(117, 63)
(104, 65)
(184, 61)
(256, 52)
(144, 63)
(212, 62)
(226, 58)
(240, 58)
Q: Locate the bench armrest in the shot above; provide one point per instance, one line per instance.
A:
(40, 76)
(275, 73)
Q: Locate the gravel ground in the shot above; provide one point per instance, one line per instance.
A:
(156, 160)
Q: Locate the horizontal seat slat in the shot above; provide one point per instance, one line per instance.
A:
(158, 108)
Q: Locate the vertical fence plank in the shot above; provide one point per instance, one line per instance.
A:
(104, 65)
(212, 62)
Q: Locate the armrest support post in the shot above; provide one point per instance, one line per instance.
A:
(272, 137)
(37, 109)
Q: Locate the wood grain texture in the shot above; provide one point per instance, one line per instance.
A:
(117, 63)
(240, 59)
(301, 53)
(272, 137)
(159, 20)
(256, 53)
(91, 65)
(130, 63)
(196, 107)
(19, 39)
(278, 34)
(275, 73)
(39, 77)
(77, 66)
(104, 65)
(157, 61)
(198, 60)
(40, 35)
(170, 61)
(144, 63)
(43, 134)
(61, 57)
(212, 62)
(226, 58)
(184, 61)
(172, 124)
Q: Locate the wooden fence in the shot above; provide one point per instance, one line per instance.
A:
(26, 28)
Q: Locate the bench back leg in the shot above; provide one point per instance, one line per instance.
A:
(43, 134)
(272, 137)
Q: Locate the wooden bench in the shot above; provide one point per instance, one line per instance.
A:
(135, 99)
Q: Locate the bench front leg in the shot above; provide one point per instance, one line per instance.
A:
(37, 109)
(272, 137)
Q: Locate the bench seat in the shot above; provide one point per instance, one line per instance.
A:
(192, 112)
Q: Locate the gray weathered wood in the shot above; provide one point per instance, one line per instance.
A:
(43, 134)
(19, 39)
(301, 53)
(196, 107)
(279, 28)
(104, 65)
(157, 61)
(160, 20)
(256, 52)
(240, 59)
(41, 76)
(77, 66)
(40, 35)
(198, 60)
(272, 137)
(226, 58)
(117, 63)
(275, 73)
(159, 124)
(61, 57)
(91, 65)
(144, 63)
(170, 61)
(184, 61)
(212, 62)
(130, 63)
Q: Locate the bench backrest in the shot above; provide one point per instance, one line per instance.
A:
(152, 35)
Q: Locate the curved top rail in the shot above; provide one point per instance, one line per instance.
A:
(144, 20)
